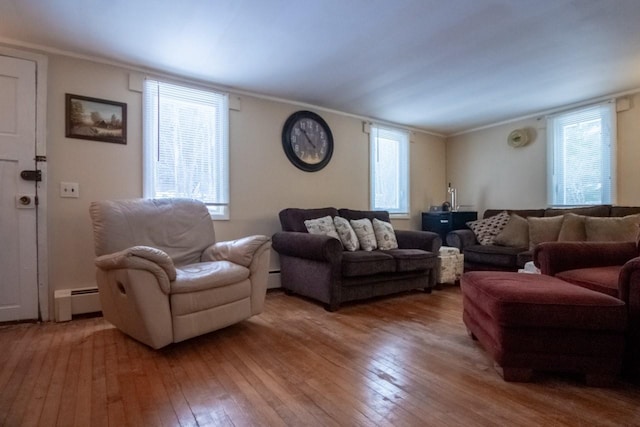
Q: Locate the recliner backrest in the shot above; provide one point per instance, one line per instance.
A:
(181, 227)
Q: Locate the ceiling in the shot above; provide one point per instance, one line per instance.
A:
(442, 66)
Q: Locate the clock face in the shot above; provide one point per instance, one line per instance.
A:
(307, 141)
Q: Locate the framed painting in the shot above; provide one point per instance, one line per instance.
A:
(95, 119)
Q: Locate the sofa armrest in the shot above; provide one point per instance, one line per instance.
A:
(554, 257)
(629, 285)
(310, 246)
(425, 240)
(461, 239)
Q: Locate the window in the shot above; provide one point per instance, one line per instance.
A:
(581, 150)
(186, 145)
(389, 170)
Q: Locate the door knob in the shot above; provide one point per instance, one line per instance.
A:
(25, 200)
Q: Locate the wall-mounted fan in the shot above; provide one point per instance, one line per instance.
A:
(518, 138)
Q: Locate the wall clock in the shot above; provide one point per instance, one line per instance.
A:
(307, 141)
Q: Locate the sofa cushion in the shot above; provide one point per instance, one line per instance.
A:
(624, 210)
(366, 263)
(292, 219)
(413, 259)
(500, 256)
(347, 235)
(385, 236)
(572, 229)
(525, 213)
(598, 210)
(601, 279)
(544, 230)
(323, 226)
(620, 229)
(354, 214)
(487, 229)
(364, 230)
(515, 233)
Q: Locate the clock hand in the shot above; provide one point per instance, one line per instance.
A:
(308, 139)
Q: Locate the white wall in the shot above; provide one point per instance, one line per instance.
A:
(490, 174)
(262, 180)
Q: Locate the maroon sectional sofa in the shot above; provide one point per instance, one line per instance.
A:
(531, 322)
(610, 268)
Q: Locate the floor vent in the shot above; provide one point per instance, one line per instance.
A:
(76, 301)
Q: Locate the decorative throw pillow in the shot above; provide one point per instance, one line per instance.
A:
(364, 231)
(620, 229)
(346, 233)
(322, 225)
(515, 233)
(572, 229)
(385, 236)
(544, 229)
(487, 229)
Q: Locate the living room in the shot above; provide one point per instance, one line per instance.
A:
(477, 160)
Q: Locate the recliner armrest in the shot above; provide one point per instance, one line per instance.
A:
(554, 257)
(629, 284)
(461, 239)
(141, 258)
(240, 251)
(310, 246)
(425, 240)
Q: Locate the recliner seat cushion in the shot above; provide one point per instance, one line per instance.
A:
(207, 275)
(365, 263)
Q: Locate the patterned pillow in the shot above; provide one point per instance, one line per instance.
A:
(487, 229)
(364, 231)
(346, 233)
(385, 236)
(322, 225)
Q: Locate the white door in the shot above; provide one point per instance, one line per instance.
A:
(18, 246)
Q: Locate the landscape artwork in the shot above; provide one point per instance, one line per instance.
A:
(96, 119)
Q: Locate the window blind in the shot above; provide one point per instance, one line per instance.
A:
(389, 169)
(186, 144)
(582, 147)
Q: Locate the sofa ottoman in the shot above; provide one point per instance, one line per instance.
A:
(530, 323)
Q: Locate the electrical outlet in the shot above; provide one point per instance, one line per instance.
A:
(70, 189)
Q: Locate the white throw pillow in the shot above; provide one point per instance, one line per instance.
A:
(346, 233)
(364, 231)
(385, 236)
(322, 225)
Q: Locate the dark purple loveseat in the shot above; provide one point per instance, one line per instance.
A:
(317, 266)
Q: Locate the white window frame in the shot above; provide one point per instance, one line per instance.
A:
(399, 183)
(559, 163)
(217, 201)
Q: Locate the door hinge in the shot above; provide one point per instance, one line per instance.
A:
(41, 158)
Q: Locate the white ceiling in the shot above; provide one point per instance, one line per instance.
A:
(441, 65)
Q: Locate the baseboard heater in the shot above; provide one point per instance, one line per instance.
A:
(76, 301)
(273, 280)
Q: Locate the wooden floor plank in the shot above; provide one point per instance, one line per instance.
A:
(402, 361)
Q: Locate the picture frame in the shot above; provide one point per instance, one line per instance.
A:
(95, 119)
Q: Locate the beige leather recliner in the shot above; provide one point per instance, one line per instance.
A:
(162, 278)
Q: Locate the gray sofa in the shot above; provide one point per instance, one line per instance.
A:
(316, 266)
(507, 258)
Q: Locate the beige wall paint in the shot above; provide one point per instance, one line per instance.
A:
(262, 180)
(490, 174)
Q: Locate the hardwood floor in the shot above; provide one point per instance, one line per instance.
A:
(403, 361)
